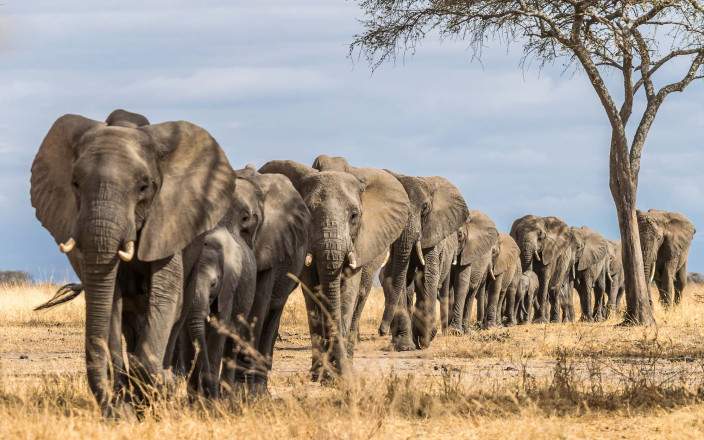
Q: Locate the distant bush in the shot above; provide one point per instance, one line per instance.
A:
(14, 277)
(695, 278)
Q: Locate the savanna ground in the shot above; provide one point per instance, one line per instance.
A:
(570, 381)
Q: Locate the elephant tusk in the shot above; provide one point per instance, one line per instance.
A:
(491, 273)
(652, 274)
(454, 260)
(574, 272)
(127, 254)
(419, 251)
(352, 260)
(386, 258)
(537, 256)
(309, 259)
(68, 246)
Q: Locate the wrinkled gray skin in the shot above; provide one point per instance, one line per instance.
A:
(615, 284)
(526, 286)
(102, 186)
(437, 210)
(665, 239)
(355, 216)
(272, 218)
(478, 249)
(546, 249)
(501, 288)
(590, 270)
(222, 285)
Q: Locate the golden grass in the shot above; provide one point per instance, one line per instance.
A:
(567, 381)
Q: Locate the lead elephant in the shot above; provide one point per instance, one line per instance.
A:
(545, 245)
(665, 238)
(477, 253)
(590, 270)
(272, 218)
(437, 210)
(123, 200)
(356, 215)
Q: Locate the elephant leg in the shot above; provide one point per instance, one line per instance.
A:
(119, 373)
(556, 305)
(680, 282)
(481, 303)
(401, 323)
(613, 299)
(461, 290)
(250, 373)
(365, 286)
(666, 285)
(599, 294)
(165, 302)
(511, 318)
(492, 303)
(444, 297)
(267, 341)
(315, 321)
(543, 301)
(585, 297)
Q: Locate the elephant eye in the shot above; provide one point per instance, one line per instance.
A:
(354, 217)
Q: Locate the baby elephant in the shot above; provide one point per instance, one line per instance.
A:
(222, 286)
(525, 293)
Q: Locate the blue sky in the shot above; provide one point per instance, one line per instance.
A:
(272, 80)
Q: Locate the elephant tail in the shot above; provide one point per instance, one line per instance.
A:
(65, 294)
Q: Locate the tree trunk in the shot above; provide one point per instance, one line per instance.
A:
(623, 189)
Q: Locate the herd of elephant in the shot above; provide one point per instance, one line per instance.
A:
(173, 246)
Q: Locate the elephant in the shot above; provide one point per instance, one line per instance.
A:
(273, 220)
(328, 163)
(500, 283)
(665, 239)
(590, 270)
(125, 201)
(355, 216)
(526, 286)
(478, 242)
(437, 210)
(224, 278)
(545, 244)
(615, 282)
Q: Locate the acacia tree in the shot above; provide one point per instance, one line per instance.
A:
(632, 40)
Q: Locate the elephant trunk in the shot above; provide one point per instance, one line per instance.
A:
(99, 239)
(527, 256)
(331, 254)
(202, 373)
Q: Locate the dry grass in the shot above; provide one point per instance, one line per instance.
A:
(569, 381)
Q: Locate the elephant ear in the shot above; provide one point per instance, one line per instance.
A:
(330, 163)
(284, 229)
(448, 211)
(509, 255)
(481, 236)
(680, 231)
(556, 238)
(52, 171)
(197, 183)
(385, 211)
(595, 249)
(295, 171)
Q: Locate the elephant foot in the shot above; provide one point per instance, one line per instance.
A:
(119, 411)
(489, 325)
(455, 331)
(586, 319)
(541, 320)
(403, 344)
(384, 329)
(509, 323)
